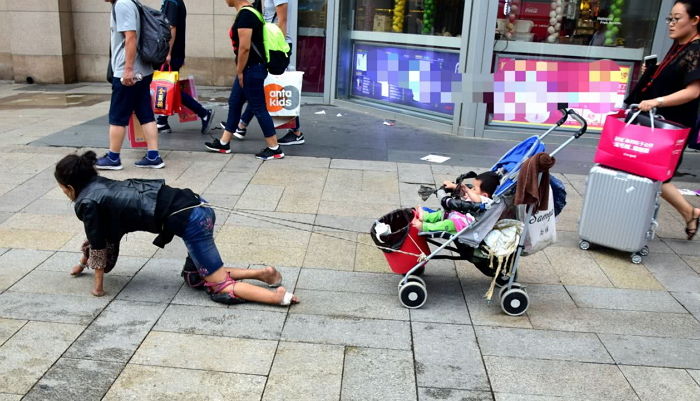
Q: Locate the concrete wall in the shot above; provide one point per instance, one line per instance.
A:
(62, 41)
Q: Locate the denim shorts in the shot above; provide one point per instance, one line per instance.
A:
(199, 240)
(128, 99)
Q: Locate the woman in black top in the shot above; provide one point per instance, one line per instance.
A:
(109, 209)
(247, 39)
(673, 87)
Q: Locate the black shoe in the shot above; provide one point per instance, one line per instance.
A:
(225, 298)
(191, 275)
(267, 154)
(239, 133)
(164, 128)
(216, 146)
(207, 120)
(291, 139)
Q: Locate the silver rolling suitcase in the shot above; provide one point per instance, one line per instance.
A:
(619, 211)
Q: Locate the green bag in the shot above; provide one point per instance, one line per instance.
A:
(277, 49)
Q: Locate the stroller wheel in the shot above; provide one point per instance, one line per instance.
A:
(515, 302)
(413, 295)
(506, 288)
(416, 279)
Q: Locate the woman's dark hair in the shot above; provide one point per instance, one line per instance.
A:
(692, 7)
(76, 171)
(489, 182)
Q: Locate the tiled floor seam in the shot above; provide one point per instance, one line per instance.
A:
(628, 382)
(697, 381)
(16, 331)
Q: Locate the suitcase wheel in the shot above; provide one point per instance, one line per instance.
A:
(584, 245)
(413, 295)
(644, 251)
(515, 302)
(636, 258)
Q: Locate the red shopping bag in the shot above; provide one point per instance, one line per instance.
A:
(187, 86)
(165, 92)
(135, 132)
(651, 152)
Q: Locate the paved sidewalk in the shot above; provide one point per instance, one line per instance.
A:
(599, 327)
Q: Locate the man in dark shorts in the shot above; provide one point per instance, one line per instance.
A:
(176, 12)
(130, 88)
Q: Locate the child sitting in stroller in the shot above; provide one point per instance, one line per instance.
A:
(455, 216)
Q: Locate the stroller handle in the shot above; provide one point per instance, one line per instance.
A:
(580, 120)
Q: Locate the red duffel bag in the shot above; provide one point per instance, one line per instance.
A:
(648, 146)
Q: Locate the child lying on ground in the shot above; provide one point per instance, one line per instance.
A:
(453, 221)
(109, 209)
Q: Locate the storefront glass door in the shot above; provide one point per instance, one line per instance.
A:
(311, 44)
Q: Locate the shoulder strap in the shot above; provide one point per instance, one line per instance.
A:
(254, 11)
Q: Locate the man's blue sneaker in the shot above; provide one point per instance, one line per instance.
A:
(207, 120)
(105, 163)
(148, 163)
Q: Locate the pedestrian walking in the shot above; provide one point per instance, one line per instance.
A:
(248, 85)
(673, 87)
(176, 12)
(274, 11)
(130, 88)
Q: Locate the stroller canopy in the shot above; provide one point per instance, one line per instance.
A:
(510, 163)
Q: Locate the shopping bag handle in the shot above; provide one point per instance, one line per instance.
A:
(162, 67)
(635, 106)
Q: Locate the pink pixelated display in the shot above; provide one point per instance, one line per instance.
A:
(529, 91)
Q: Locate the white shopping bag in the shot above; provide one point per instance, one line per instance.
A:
(541, 228)
(283, 93)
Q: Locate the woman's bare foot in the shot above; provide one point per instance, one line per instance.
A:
(271, 276)
(281, 294)
(97, 292)
(77, 270)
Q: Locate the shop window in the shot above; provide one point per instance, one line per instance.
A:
(427, 17)
(610, 23)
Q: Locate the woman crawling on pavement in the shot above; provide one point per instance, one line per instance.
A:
(109, 209)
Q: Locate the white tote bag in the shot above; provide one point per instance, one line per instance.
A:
(283, 93)
(541, 228)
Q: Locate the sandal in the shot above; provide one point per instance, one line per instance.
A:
(226, 298)
(191, 276)
(288, 299)
(690, 232)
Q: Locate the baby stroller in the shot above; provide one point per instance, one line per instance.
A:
(407, 250)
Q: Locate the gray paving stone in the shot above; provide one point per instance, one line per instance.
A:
(390, 334)
(246, 163)
(447, 356)
(27, 192)
(525, 397)
(158, 281)
(357, 282)
(8, 327)
(260, 197)
(622, 299)
(228, 322)
(160, 383)
(75, 379)
(62, 283)
(570, 380)
(695, 374)
(447, 394)
(117, 332)
(661, 384)
(228, 184)
(179, 350)
(51, 308)
(541, 344)
(64, 261)
(364, 365)
(50, 206)
(31, 352)
(350, 305)
(674, 325)
(673, 272)
(682, 246)
(351, 223)
(653, 351)
(10, 397)
(445, 302)
(690, 300)
(487, 313)
(295, 363)
(415, 173)
(16, 263)
(362, 165)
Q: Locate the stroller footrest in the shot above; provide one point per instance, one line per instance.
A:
(436, 234)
